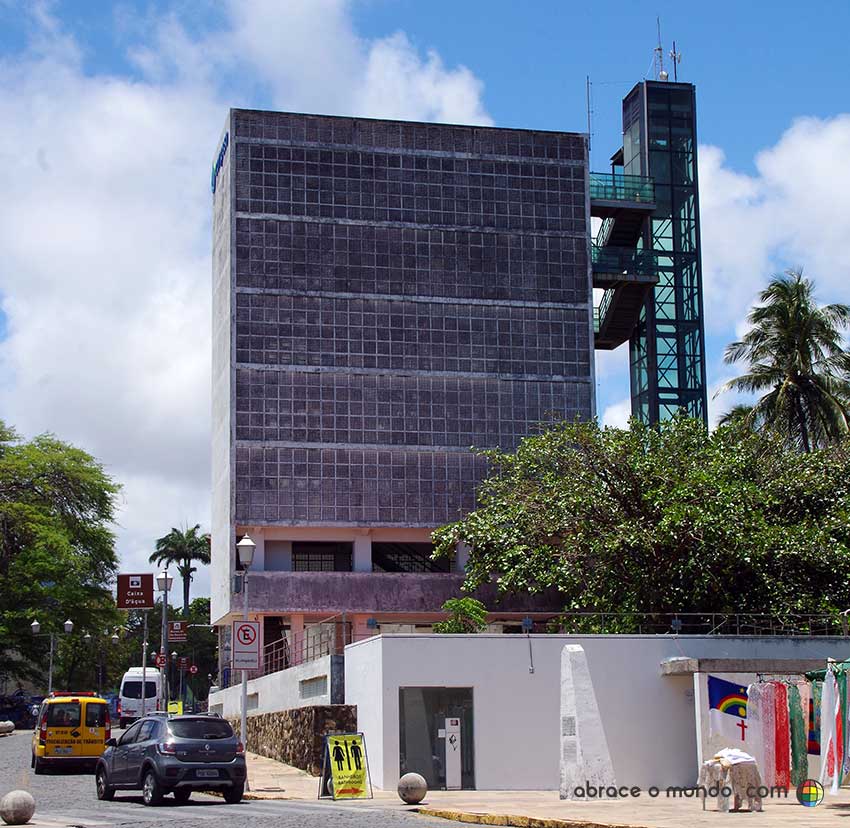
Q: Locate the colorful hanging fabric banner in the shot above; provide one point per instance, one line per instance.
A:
(814, 718)
(799, 755)
(782, 735)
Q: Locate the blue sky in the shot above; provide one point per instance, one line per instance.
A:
(112, 112)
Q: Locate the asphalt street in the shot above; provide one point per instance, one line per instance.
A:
(68, 799)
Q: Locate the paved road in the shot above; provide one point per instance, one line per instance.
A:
(68, 799)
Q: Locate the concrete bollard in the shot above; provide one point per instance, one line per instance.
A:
(17, 807)
(412, 788)
(6, 728)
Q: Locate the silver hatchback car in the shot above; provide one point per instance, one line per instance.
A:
(179, 754)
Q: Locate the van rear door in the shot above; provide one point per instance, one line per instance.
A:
(64, 723)
(95, 728)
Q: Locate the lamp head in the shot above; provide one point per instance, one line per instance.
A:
(163, 580)
(35, 627)
(115, 638)
(87, 638)
(245, 548)
(69, 626)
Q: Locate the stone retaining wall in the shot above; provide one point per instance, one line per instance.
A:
(295, 736)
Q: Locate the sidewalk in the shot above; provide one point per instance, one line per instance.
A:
(543, 809)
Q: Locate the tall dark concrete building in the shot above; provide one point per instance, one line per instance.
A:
(386, 295)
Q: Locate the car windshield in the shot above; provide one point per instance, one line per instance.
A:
(63, 714)
(133, 689)
(200, 729)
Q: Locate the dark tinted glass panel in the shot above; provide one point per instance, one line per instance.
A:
(64, 714)
(200, 729)
(133, 690)
(96, 715)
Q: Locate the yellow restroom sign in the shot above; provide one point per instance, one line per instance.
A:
(349, 769)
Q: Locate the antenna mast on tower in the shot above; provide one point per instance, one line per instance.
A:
(660, 74)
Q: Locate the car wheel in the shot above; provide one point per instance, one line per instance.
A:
(152, 792)
(233, 794)
(39, 766)
(182, 794)
(105, 791)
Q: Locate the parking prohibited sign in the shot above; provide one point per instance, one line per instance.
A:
(246, 645)
(161, 660)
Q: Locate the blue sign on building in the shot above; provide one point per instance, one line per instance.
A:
(220, 160)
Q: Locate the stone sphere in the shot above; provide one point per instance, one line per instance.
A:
(7, 727)
(412, 788)
(17, 807)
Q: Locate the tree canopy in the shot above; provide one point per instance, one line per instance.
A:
(795, 358)
(666, 518)
(57, 553)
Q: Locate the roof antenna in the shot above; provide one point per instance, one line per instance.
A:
(660, 74)
(676, 57)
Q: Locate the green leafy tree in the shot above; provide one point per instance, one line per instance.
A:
(57, 552)
(466, 615)
(796, 360)
(663, 519)
(183, 548)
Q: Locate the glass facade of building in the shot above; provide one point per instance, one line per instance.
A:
(667, 351)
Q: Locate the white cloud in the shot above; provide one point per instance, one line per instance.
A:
(617, 414)
(795, 211)
(105, 224)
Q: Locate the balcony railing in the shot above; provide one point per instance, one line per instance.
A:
(624, 260)
(615, 187)
(601, 309)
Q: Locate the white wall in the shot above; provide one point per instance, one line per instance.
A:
(276, 691)
(648, 718)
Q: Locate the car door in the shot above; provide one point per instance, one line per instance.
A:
(136, 750)
(118, 769)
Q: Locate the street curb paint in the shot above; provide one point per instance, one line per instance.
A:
(519, 821)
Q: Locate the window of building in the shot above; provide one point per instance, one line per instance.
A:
(321, 557)
(407, 557)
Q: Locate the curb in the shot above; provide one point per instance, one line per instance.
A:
(518, 821)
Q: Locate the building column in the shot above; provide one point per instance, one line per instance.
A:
(362, 552)
(461, 557)
(296, 631)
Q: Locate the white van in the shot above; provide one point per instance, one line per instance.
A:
(130, 694)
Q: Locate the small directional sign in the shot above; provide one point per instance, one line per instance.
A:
(177, 631)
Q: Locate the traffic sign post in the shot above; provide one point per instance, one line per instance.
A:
(246, 645)
(136, 592)
(161, 660)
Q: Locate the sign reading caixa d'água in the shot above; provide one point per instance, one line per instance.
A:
(346, 764)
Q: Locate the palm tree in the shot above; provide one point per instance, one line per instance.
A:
(182, 548)
(795, 354)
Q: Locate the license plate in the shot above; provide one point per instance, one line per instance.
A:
(62, 750)
(206, 774)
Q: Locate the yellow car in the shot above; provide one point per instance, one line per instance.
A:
(72, 728)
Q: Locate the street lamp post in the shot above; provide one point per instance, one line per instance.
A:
(68, 626)
(163, 584)
(245, 549)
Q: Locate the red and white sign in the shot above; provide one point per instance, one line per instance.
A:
(246, 645)
(161, 660)
(193, 669)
